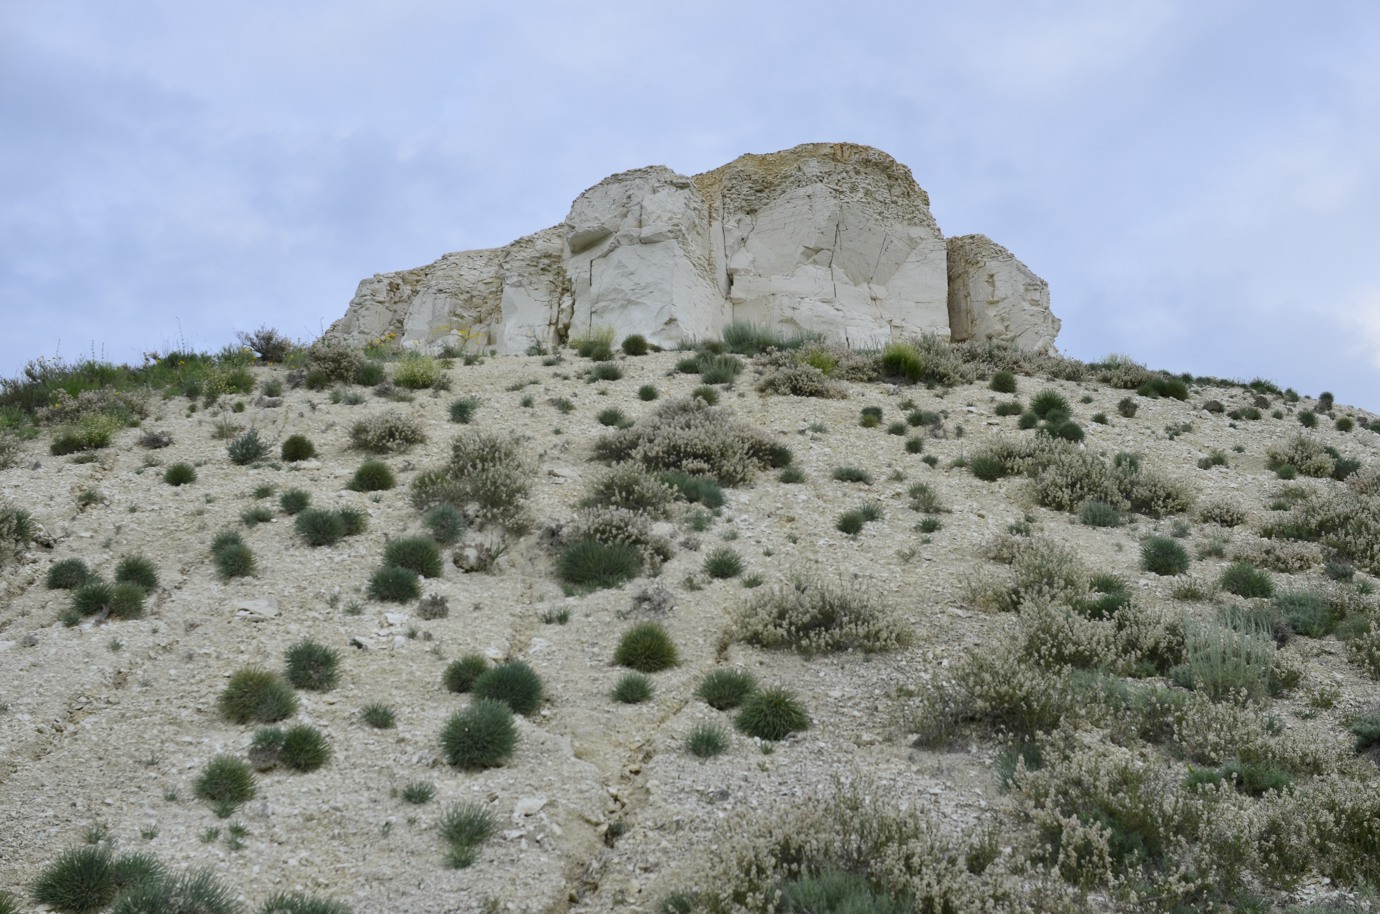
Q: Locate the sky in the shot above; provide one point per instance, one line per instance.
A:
(1198, 180)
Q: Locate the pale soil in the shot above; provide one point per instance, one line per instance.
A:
(91, 734)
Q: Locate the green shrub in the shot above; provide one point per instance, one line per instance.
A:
(247, 448)
(852, 474)
(1003, 382)
(647, 393)
(446, 523)
(489, 471)
(632, 689)
(417, 371)
(232, 557)
(256, 515)
(481, 736)
(1366, 729)
(719, 369)
(304, 748)
(226, 782)
(723, 563)
(67, 574)
(312, 666)
(460, 674)
(613, 416)
(418, 553)
(319, 527)
(646, 648)
(1235, 661)
(465, 827)
(372, 476)
(127, 601)
(791, 475)
(1164, 556)
(725, 689)
(386, 433)
(462, 410)
(179, 474)
(294, 501)
(706, 741)
(514, 683)
(902, 361)
(635, 344)
(772, 714)
(297, 448)
(90, 433)
(378, 716)
(92, 597)
(986, 467)
(418, 793)
(1308, 418)
(587, 564)
(1099, 514)
(186, 893)
(392, 584)
(1009, 408)
(255, 695)
(1049, 401)
(605, 371)
(694, 489)
(1126, 407)
(1245, 580)
(299, 903)
(1306, 613)
(81, 879)
(915, 444)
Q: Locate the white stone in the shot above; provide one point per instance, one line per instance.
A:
(992, 295)
(261, 607)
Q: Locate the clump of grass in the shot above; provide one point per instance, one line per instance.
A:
(772, 714)
(81, 879)
(304, 748)
(394, 584)
(180, 474)
(417, 793)
(723, 562)
(418, 371)
(902, 361)
(646, 648)
(386, 433)
(418, 553)
(378, 716)
(295, 903)
(256, 515)
(461, 674)
(127, 601)
(67, 574)
(706, 741)
(1164, 556)
(312, 666)
(1099, 514)
(465, 827)
(446, 523)
(694, 489)
(226, 782)
(635, 344)
(247, 448)
(297, 448)
(256, 695)
(481, 736)
(605, 371)
(1245, 580)
(725, 689)
(232, 557)
(647, 393)
(588, 564)
(372, 476)
(632, 689)
(852, 474)
(491, 472)
(92, 597)
(319, 527)
(462, 410)
(514, 683)
(1049, 401)
(294, 501)
(613, 416)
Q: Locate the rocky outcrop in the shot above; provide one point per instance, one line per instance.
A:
(830, 238)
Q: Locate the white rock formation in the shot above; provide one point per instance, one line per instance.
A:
(831, 238)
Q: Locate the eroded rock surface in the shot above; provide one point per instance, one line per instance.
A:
(832, 238)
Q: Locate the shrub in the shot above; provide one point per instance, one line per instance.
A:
(723, 563)
(1305, 613)
(1049, 401)
(489, 471)
(462, 410)
(418, 553)
(1099, 514)
(299, 903)
(267, 343)
(772, 714)
(706, 741)
(1164, 556)
(226, 782)
(605, 371)
(446, 523)
(303, 748)
(67, 574)
(810, 615)
(646, 648)
(372, 476)
(297, 448)
(247, 448)
(417, 371)
(1228, 661)
(92, 596)
(986, 467)
(378, 716)
(319, 527)
(312, 666)
(647, 393)
(393, 584)
(465, 826)
(719, 369)
(232, 557)
(902, 361)
(186, 893)
(1003, 382)
(852, 474)
(80, 879)
(256, 695)
(126, 601)
(481, 736)
(613, 416)
(694, 489)
(1126, 407)
(389, 432)
(418, 793)
(591, 565)
(630, 485)
(1245, 580)
(90, 433)
(514, 683)
(294, 501)
(695, 438)
(179, 474)
(635, 344)
(1308, 418)
(632, 689)
(460, 674)
(135, 569)
(335, 361)
(725, 689)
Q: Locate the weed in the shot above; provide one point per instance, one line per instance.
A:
(632, 689)
(1163, 556)
(588, 564)
(772, 714)
(179, 474)
(646, 648)
(647, 393)
(706, 741)
(378, 716)
(417, 793)
(791, 475)
(247, 448)
(723, 563)
(461, 674)
(419, 554)
(226, 782)
(393, 584)
(318, 527)
(694, 489)
(297, 448)
(514, 683)
(462, 410)
(304, 748)
(372, 476)
(489, 471)
(386, 433)
(232, 557)
(81, 879)
(256, 695)
(465, 826)
(1003, 382)
(481, 736)
(312, 666)
(725, 689)
(446, 523)
(1099, 514)
(1245, 580)
(67, 574)
(294, 501)
(252, 517)
(605, 371)
(852, 474)
(417, 371)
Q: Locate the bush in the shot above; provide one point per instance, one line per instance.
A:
(647, 393)
(591, 565)
(127, 601)
(226, 782)
(312, 666)
(772, 714)
(1164, 556)
(186, 893)
(135, 569)
(304, 748)
(1229, 661)
(392, 584)
(630, 485)
(1048, 401)
(514, 683)
(694, 489)
(1306, 613)
(481, 736)
(92, 596)
(632, 689)
(297, 448)
(446, 523)
(267, 343)
(986, 467)
(852, 474)
(466, 826)
(488, 471)
(1003, 382)
(417, 371)
(232, 557)
(461, 674)
(334, 361)
(706, 741)
(635, 344)
(646, 648)
(695, 438)
(372, 476)
(418, 553)
(294, 501)
(67, 574)
(605, 371)
(723, 563)
(1126, 407)
(247, 448)
(1245, 580)
(298, 903)
(1099, 514)
(726, 689)
(378, 716)
(80, 879)
(902, 361)
(179, 474)
(462, 410)
(386, 433)
(256, 695)
(811, 615)
(90, 433)
(319, 527)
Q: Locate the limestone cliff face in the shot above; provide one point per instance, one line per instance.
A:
(832, 238)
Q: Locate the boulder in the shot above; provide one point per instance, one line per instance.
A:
(828, 238)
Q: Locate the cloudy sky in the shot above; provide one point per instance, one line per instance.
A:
(1199, 180)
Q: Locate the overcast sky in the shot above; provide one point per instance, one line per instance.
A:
(1198, 180)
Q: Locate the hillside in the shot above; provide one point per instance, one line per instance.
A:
(1016, 712)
